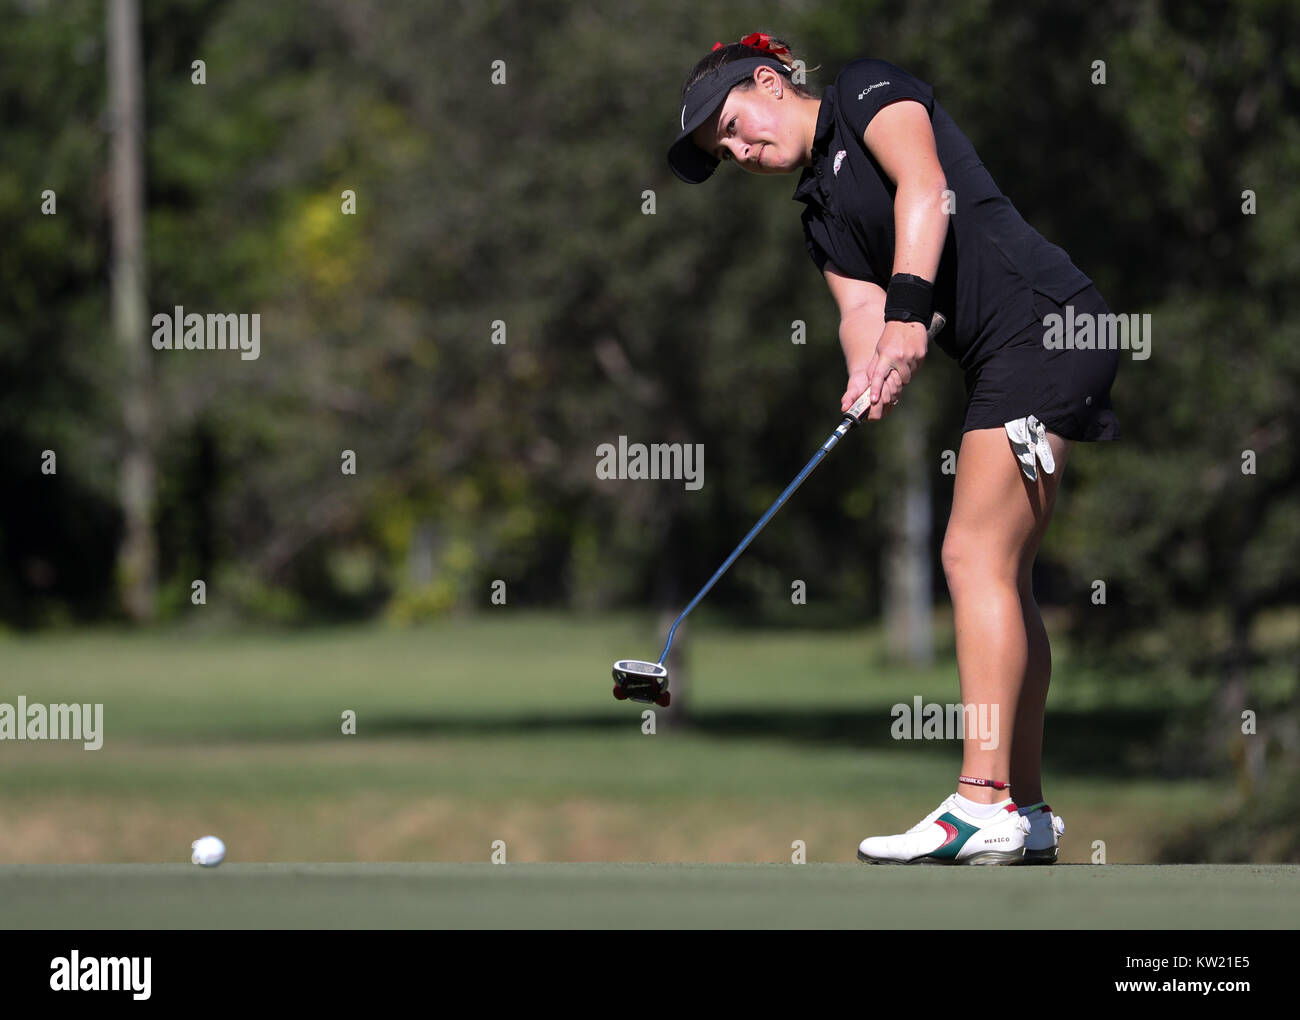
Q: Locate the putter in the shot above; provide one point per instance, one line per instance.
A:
(647, 682)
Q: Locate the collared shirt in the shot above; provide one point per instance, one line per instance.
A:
(992, 259)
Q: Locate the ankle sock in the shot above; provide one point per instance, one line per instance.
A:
(981, 810)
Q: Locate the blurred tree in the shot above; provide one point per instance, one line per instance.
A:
(138, 554)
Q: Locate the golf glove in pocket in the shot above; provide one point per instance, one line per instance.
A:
(1029, 440)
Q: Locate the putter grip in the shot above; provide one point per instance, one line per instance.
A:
(860, 406)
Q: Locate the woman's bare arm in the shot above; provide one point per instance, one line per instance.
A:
(901, 139)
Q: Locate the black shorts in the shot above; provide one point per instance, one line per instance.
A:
(1067, 390)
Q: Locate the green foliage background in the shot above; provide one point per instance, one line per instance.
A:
(522, 203)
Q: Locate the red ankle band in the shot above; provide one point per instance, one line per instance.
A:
(984, 782)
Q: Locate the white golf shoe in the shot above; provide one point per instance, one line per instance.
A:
(948, 835)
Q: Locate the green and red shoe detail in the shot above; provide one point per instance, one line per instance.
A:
(958, 833)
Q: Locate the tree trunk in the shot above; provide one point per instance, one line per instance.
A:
(137, 555)
(1246, 751)
(909, 631)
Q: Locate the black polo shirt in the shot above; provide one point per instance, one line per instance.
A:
(992, 260)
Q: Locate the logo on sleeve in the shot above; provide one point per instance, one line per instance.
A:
(863, 93)
(839, 158)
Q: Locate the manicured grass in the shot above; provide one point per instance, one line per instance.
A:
(502, 726)
(648, 896)
(159, 685)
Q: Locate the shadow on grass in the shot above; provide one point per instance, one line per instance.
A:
(1104, 742)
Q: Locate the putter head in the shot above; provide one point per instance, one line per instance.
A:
(635, 680)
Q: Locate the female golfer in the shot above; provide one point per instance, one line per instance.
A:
(903, 220)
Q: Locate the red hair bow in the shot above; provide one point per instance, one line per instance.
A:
(763, 41)
(759, 41)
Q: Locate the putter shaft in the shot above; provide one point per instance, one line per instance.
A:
(851, 418)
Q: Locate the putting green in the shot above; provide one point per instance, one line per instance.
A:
(646, 896)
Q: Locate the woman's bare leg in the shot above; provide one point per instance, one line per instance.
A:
(1003, 658)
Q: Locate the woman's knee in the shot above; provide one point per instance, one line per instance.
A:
(971, 558)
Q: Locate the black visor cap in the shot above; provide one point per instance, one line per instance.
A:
(687, 160)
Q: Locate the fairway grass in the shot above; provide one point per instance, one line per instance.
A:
(502, 727)
(648, 896)
(551, 796)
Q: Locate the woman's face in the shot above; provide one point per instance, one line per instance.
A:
(754, 128)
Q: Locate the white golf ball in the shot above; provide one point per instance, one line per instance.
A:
(208, 851)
